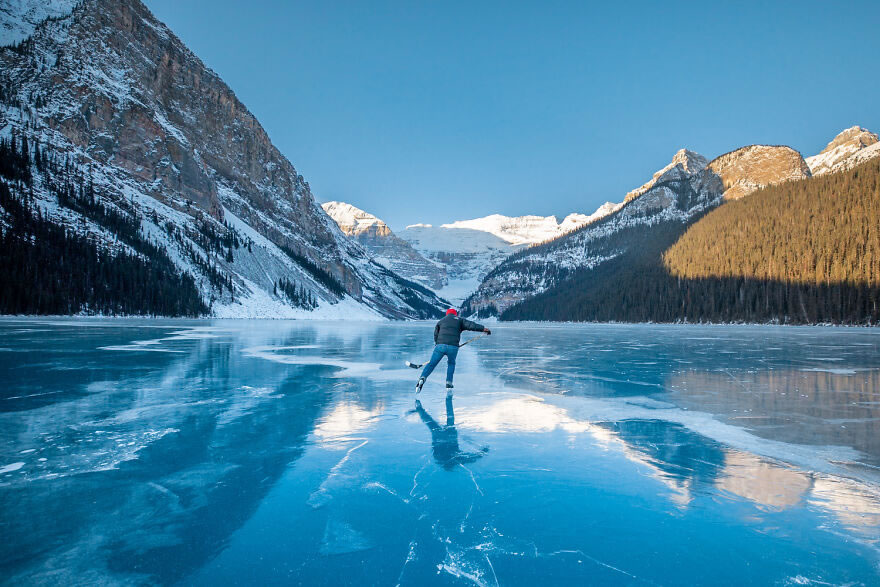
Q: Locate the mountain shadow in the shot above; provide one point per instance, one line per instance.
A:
(802, 252)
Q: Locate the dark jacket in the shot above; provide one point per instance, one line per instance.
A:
(448, 330)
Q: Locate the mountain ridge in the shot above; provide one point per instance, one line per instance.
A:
(676, 195)
(113, 91)
(464, 251)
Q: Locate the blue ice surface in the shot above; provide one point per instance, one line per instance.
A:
(205, 453)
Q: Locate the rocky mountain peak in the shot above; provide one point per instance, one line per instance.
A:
(689, 160)
(855, 135)
(111, 91)
(849, 148)
(355, 222)
(749, 168)
(684, 163)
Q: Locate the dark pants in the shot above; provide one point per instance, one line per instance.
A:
(450, 352)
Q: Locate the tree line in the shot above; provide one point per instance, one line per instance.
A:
(49, 268)
(800, 252)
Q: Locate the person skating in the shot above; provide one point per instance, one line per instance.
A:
(447, 337)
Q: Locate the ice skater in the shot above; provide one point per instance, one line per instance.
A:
(447, 339)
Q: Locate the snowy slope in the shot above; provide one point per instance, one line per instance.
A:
(386, 248)
(112, 93)
(849, 148)
(470, 249)
(19, 18)
(518, 230)
(354, 221)
(684, 164)
(575, 221)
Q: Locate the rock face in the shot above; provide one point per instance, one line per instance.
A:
(387, 249)
(750, 168)
(688, 186)
(113, 91)
(851, 147)
(684, 164)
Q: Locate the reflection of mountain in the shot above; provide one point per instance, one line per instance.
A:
(221, 483)
(176, 499)
(770, 485)
(855, 504)
(802, 407)
(680, 458)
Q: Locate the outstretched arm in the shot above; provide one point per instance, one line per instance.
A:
(468, 325)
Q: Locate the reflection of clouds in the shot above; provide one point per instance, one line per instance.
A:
(855, 504)
(768, 484)
(765, 483)
(345, 420)
(528, 414)
(523, 414)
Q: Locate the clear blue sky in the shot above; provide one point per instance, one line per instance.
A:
(436, 111)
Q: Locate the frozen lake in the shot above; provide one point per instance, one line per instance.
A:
(207, 453)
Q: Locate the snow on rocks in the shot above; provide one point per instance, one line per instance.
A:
(849, 148)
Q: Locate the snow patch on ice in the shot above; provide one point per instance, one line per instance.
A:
(11, 467)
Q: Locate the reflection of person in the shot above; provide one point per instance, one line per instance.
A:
(444, 439)
(447, 337)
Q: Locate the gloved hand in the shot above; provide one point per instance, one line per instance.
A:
(487, 331)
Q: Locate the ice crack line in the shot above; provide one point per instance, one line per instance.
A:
(412, 491)
(410, 556)
(474, 479)
(322, 495)
(595, 560)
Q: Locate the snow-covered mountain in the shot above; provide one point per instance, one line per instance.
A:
(849, 148)
(386, 248)
(100, 97)
(684, 164)
(676, 194)
(20, 18)
(470, 249)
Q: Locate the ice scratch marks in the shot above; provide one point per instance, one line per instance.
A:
(410, 556)
(464, 520)
(383, 487)
(474, 479)
(458, 566)
(412, 492)
(337, 479)
(581, 553)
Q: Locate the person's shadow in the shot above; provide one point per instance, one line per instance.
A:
(444, 439)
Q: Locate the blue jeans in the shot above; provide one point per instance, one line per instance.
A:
(450, 351)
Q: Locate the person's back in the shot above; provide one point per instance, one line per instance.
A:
(449, 328)
(447, 338)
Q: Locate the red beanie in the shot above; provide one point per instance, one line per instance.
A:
(451, 311)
